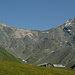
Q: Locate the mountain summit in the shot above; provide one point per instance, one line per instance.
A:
(56, 45)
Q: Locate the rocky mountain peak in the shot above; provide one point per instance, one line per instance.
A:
(70, 22)
(56, 45)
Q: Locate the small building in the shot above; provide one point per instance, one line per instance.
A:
(58, 65)
(46, 64)
(51, 65)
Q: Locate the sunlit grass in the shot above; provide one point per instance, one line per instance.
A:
(10, 68)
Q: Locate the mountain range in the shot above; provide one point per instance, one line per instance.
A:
(56, 46)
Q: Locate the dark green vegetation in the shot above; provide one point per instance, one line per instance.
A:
(4, 55)
(10, 68)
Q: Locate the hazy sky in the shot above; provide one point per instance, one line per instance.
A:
(36, 14)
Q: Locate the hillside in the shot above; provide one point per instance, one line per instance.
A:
(56, 45)
(10, 68)
(4, 55)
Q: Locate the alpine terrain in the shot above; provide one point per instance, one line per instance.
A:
(56, 45)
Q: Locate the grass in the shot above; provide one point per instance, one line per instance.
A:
(4, 55)
(12, 68)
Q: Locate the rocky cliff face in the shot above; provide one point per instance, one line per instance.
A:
(56, 45)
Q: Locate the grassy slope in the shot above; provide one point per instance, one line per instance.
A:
(4, 55)
(11, 68)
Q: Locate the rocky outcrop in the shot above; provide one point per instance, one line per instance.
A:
(56, 45)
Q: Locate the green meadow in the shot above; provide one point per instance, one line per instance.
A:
(12, 68)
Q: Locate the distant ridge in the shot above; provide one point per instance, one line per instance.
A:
(56, 45)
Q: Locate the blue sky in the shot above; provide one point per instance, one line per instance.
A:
(36, 14)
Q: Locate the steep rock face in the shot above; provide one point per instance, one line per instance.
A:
(18, 42)
(56, 45)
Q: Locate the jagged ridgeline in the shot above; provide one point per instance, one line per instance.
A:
(56, 45)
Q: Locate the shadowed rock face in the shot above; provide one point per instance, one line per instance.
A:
(56, 45)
